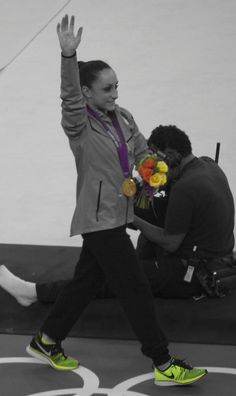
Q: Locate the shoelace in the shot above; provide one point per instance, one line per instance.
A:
(58, 350)
(178, 362)
(181, 363)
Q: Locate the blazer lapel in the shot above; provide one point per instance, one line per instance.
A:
(125, 126)
(97, 126)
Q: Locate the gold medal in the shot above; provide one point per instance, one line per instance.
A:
(129, 187)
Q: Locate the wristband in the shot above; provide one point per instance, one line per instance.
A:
(71, 56)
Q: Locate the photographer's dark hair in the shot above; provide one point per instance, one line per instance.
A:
(170, 136)
(89, 71)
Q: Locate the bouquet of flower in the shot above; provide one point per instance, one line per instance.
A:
(153, 173)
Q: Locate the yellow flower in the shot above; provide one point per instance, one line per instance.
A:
(156, 180)
(163, 179)
(162, 166)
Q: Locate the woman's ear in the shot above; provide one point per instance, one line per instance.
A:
(86, 92)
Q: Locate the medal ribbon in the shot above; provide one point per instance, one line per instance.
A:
(118, 140)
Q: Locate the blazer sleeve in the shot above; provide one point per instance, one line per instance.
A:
(74, 114)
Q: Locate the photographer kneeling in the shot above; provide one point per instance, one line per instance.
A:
(182, 258)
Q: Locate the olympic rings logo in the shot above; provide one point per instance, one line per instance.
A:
(91, 381)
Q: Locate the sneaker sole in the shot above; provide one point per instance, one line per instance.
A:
(173, 383)
(32, 352)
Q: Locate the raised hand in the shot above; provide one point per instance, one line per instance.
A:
(69, 42)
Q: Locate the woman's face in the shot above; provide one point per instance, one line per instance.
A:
(104, 91)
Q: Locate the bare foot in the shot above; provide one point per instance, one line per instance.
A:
(24, 292)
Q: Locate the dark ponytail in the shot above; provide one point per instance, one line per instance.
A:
(89, 71)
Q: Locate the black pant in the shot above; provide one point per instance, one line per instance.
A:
(48, 292)
(165, 276)
(109, 256)
(165, 272)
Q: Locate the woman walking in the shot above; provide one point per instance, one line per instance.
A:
(106, 144)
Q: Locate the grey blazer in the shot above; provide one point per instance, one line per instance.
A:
(100, 203)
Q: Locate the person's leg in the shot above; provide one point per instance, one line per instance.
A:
(166, 277)
(105, 292)
(145, 249)
(116, 256)
(24, 292)
(114, 253)
(75, 296)
(71, 302)
(47, 292)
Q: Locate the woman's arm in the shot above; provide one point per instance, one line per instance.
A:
(74, 115)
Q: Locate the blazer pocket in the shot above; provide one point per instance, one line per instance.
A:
(98, 199)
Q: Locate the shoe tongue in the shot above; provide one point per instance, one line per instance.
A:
(47, 342)
(182, 363)
(164, 366)
(60, 355)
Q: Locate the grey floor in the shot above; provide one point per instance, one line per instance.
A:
(110, 367)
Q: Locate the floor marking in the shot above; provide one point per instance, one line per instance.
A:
(82, 392)
(91, 381)
(123, 386)
(8, 360)
(222, 370)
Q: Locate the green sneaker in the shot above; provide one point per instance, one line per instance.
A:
(178, 373)
(51, 353)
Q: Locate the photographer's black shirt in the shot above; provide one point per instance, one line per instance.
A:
(202, 206)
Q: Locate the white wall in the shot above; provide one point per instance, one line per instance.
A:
(175, 61)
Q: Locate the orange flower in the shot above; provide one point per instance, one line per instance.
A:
(149, 163)
(145, 173)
